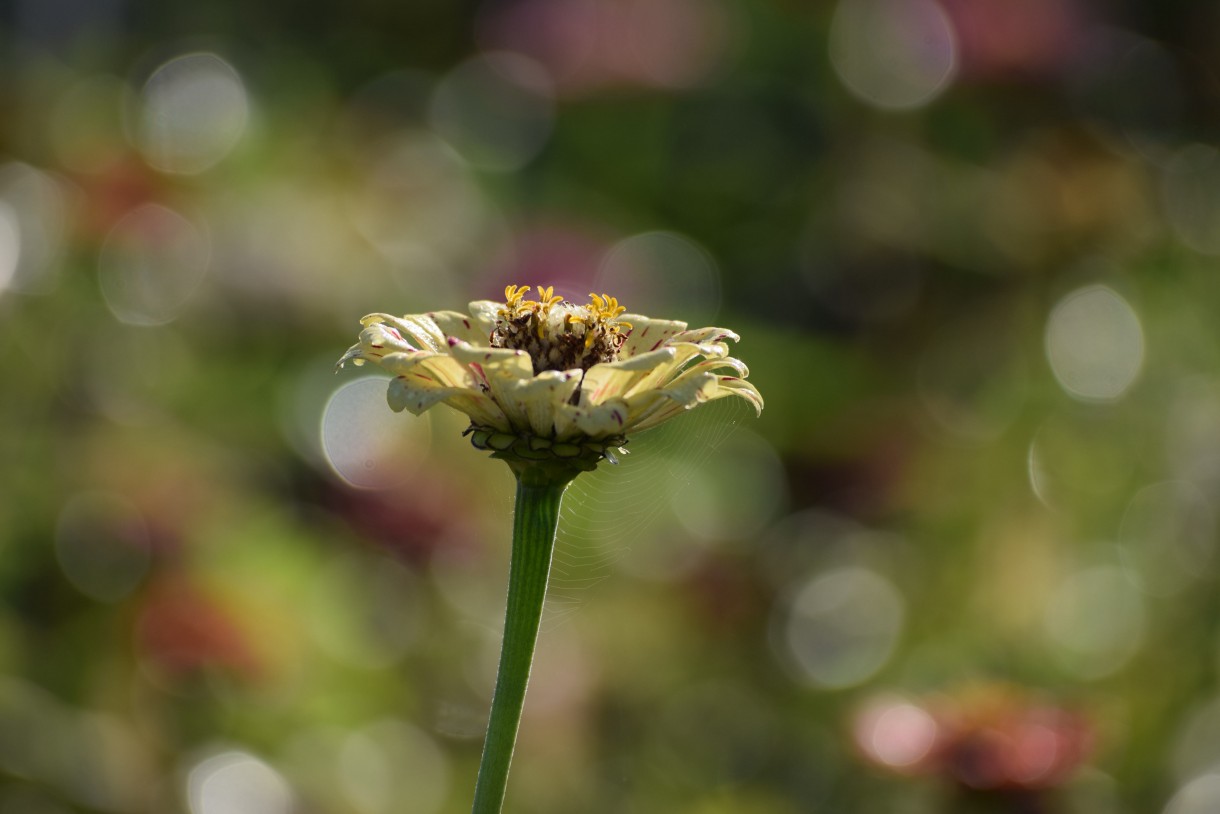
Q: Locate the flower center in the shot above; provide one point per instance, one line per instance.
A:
(557, 334)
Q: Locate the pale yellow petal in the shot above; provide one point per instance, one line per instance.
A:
(647, 334)
(684, 354)
(466, 327)
(515, 363)
(416, 392)
(601, 420)
(611, 379)
(656, 406)
(416, 329)
(698, 335)
(377, 340)
(733, 386)
(702, 388)
(532, 404)
(354, 354)
(422, 380)
(484, 314)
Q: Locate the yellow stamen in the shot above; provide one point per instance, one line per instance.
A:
(613, 309)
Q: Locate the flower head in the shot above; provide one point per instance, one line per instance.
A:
(550, 380)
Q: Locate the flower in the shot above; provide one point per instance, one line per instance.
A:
(993, 738)
(548, 379)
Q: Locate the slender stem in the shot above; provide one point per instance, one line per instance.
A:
(534, 523)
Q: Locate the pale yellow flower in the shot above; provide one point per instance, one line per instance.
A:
(544, 379)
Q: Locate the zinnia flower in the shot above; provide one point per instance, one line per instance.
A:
(548, 379)
(551, 387)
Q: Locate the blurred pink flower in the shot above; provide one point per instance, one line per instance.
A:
(566, 255)
(587, 45)
(1030, 38)
(989, 738)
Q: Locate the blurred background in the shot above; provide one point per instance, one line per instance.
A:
(965, 561)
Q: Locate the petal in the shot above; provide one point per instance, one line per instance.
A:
(733, 386)
(446, 370)
(417, 391)
(422, 380)
(699, 390)
(656, 406)
(612, 379)
(454, 324)
(683, 354)
(417, 328)
(533, 404)
(602, 420)
(377, 340)
(485, 314)
(700, 372)
(515, 363)
(647, 334)
(698, 335)
(354, 354)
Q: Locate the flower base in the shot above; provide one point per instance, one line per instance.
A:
(556, 457)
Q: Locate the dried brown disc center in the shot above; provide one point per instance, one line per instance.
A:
(564, 337)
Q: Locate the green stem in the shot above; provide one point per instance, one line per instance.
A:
(537, 514)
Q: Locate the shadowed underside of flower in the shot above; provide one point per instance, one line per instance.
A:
(549, 379)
